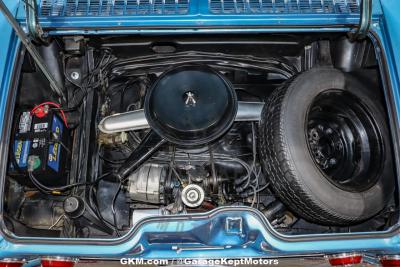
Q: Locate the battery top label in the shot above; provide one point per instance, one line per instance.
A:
(40, 127)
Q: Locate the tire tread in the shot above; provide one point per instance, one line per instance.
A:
(281, 173)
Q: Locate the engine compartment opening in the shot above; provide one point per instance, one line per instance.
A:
(288, 124)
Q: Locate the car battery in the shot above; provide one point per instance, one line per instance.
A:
(44, 139)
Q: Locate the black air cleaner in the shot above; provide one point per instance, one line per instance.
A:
(191, 105)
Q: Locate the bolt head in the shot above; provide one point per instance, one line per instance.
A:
(332, 161)
(75, 75)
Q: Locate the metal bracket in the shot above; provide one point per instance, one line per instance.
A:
(54, 85)
(365, 21)
(234, 225)
(35, 30)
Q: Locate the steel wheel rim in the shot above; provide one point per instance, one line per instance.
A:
(344, 140)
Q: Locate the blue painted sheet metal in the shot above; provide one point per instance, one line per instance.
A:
(196, 16)
(8, 51)
(208, 231)
(68, 8)
(284, 6)
(160, 240)
(391, 22)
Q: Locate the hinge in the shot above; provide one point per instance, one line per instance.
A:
(365, 21)
(32, 21)
(54, 85)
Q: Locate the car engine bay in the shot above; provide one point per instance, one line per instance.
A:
(293, 125)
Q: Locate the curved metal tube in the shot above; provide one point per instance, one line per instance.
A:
(249, 111)
(136, 120)
(34, 28)
(121, 122)
(54, 85)
(365, 21)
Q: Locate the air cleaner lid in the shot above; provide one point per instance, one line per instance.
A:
(191, 105)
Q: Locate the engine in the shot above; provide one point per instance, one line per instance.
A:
(200, 179)
(190, 146)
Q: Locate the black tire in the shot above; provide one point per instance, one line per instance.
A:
(294, 174)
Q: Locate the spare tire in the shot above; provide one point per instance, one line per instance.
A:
(325, 145)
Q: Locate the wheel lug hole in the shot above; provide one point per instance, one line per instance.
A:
(332, 161)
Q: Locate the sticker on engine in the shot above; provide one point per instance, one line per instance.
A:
(21, 152)
(40, 127)
(25, 122)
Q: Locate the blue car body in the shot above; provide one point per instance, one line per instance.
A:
(208, 235)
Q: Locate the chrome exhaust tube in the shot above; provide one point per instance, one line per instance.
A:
(136, 120)
(249, 111)
(121, 122)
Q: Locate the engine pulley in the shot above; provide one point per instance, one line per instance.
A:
(192, 195)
